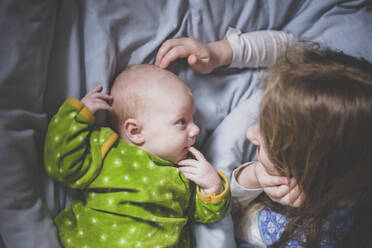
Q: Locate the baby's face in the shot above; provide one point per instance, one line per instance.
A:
(168, 126)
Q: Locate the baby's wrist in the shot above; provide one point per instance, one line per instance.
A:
(86, 105)
(216, 189)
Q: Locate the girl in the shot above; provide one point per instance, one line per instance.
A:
(315, 127)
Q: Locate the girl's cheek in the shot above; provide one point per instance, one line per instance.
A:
(270, 169)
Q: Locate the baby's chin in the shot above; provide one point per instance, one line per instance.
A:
(184, 156)
(180, 159)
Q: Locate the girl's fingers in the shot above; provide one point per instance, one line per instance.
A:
(292, 183)
(300, 199)
(173, 54)
(192, 59)
(277, 192)
(173, 49)
(166, 47)
(292, 196)
(163, 50)
(294, 193)
(272, 181)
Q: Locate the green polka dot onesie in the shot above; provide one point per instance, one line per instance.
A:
(132, 197)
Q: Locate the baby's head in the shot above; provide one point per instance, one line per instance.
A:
(153, 110)
(315, 120)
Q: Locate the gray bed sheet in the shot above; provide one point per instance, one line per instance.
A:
(50, 50)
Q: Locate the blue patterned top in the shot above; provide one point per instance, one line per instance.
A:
(272, 225)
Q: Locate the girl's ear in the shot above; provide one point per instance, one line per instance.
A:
(133, 130)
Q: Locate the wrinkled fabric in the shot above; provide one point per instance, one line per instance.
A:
(51, 50)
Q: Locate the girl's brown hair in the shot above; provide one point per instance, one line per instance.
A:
(316, 121)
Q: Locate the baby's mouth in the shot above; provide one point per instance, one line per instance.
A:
(189, 155)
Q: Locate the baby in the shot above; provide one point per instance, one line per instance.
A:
(135, 195)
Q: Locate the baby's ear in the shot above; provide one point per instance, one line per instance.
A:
(133, 130)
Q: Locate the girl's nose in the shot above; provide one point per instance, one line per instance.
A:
(253, 134)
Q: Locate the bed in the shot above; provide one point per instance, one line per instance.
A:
(51, 50)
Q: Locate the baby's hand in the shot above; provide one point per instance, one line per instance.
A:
(199, 56)
(280, 189)
(94, 100)
(201, 172)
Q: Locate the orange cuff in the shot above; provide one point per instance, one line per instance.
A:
(84, 111)
(110, 141)
(212, 197)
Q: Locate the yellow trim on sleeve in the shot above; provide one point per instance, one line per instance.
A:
(87, 114)
(212, 197)
(109, 142)
(84, 111)
(75, 103)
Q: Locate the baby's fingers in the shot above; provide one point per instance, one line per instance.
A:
(99, 104)
(97, 89)
(105, 106)
(187, 170)
(197, 154)
(103, 97)
(188, 163)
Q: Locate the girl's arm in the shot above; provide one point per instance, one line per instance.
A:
(257, 49)
(244, 187)
(253, 49)
(255, 178)
(202, 58)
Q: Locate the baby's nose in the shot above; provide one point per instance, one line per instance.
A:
(194, 130)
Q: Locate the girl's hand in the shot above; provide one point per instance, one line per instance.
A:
(286, 194)
(201, 172)
(280, 189)
(202, 58)
(94, 100)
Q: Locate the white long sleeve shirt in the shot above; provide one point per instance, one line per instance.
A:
(257, 49)
(249, 230)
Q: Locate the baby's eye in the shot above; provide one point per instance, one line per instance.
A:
(181, 122)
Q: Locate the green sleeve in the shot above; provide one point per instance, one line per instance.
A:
(73, 151)
(212, 211)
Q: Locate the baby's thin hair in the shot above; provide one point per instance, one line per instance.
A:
(130, 101)
(316, 123)
(133, 86)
